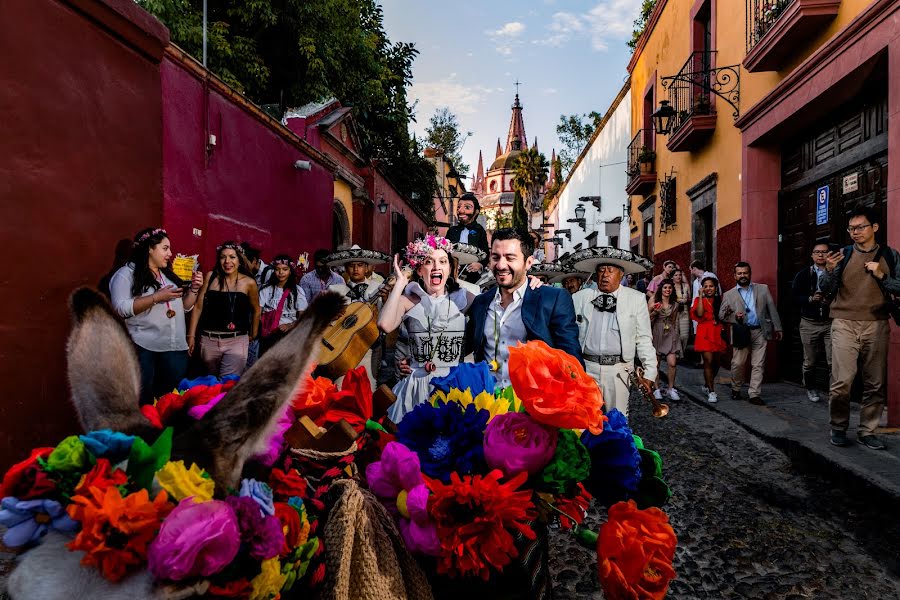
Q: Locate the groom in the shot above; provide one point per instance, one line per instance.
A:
(516, 313)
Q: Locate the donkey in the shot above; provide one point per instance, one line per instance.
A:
(105, 381)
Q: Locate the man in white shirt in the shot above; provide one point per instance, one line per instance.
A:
(613, 323)
(699, 274)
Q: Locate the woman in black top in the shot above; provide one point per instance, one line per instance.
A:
(226, 313)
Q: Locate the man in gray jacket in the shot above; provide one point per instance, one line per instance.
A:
(750, 304)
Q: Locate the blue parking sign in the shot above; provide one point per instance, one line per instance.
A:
(822, 195)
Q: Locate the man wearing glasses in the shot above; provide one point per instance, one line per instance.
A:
(815, 321)
(861, 278)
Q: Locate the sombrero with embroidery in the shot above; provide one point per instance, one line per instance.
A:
(356, 254)
(467, 254)
(589, 259)
(556, 272)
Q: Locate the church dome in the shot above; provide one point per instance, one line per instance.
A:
(506, 161)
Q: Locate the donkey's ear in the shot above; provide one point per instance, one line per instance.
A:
(103, 369)
(241, 424)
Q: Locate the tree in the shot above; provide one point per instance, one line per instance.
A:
(575, 132)
(640, 23)
(557, 182)
(293, 52)
(519, 216)
(529, 176)
(444, 135)
(497, 219)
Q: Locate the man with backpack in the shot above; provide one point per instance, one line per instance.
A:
(815, 320)
(862, 279)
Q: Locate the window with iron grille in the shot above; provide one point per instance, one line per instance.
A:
(667, 202)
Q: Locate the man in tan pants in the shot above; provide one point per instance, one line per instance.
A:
(859, 278)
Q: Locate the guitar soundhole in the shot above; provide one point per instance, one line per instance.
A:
(349, 322)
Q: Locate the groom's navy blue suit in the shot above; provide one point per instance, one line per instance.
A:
(548, 315)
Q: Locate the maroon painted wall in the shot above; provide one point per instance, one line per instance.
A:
(246, 187)
(728, 252)
(681, 254)
(80, 164)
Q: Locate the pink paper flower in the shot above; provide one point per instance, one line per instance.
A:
(195, 540)
(514, 442)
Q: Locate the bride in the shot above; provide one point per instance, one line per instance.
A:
(432, 310)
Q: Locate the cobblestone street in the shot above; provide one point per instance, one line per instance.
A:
(750, 524)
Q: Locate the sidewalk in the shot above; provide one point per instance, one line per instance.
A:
(800, 428)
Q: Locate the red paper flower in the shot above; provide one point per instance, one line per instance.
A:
(576, 507)
(116, 531)
(26, 480)
(237, 588)
(554, 387)
(290, 525)
(635, 552)
(477, 518)
(101, 477)
(310, 400)
(287, 484)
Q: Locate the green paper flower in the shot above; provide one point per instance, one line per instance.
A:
(652, 489)
(70, 455)
(144, 461)
(571, 463)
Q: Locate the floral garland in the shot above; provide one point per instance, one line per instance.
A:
(476, 467)
(130, 506)
(418, 250)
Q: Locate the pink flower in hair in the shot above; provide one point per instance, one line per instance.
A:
(417, 251)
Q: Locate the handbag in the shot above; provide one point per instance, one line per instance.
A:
(269, 320)
(740, 332)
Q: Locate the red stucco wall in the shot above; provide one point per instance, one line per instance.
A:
(728, 252)
(681, 254)
(246, 188)
(80, 164)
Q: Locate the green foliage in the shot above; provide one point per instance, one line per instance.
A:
(557, 183)
(575, 132)
(293, 52)
(497, 219)
(444, 135)
(640, 23)
(530, 171)
(519, 216)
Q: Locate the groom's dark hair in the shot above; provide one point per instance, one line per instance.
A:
(511, 233)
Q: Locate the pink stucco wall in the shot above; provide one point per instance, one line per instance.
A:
(246, 187)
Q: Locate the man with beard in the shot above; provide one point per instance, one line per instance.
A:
(515, 312)
(469, 231)
(613, 323)
(750, 305)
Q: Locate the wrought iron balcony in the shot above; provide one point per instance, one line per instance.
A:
(691, 93)
(641, 166)
(777, 28)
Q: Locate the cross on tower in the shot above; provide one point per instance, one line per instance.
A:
(517, 86)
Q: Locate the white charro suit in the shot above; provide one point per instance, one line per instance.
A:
(635, 337)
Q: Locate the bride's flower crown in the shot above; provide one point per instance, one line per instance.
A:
(417, 251)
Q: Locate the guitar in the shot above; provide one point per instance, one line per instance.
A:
(346, 341)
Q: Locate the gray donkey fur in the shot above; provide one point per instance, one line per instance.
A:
(105, 379)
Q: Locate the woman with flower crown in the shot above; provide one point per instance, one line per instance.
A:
(431, 310)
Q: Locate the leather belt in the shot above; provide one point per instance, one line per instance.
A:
(222, 336)
(603, 359)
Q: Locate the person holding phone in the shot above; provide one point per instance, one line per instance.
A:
(151, 299)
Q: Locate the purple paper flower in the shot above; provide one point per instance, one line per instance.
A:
(262, 534)
(397, 479)
(514, 442)
(261, 493)
(196, 539)
(27, 521)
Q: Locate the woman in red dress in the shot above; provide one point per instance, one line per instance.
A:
(709, 341)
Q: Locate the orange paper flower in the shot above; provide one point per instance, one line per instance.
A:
(635, 551)
(554, 388)
(116, 531)
(311, 400)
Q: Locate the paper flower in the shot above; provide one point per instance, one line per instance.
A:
(477, 518)
(286, 484)
(445, 437)
(101, 477)
(571, 464)
(182, 483)
(310, 401)
(474, 377)
(261, 533)
(27, 480)
(554, 387)
(635, 552)
(260, 493)
(116, 531)
(418, 250)
(69, 455)
(293, 525)
(575, 506)
(615, 460)
(195, 540)
(105, 443)
(483, 401)
(398, 479)
(652, 489)
(27, 521)
(144, 461)
(268, 583)
(514, 442)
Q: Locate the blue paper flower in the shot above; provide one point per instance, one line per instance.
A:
(260, 493)
(615, 461)
(27, 521)
(446, 437)
(473, 376)
(108, 444)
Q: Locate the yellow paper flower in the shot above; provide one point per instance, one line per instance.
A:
(181, 482)
(269, 582)
(484, 400)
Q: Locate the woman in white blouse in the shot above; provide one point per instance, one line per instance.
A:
(153, 302)
(281, 301)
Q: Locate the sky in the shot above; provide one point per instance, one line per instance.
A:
(569, 55)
